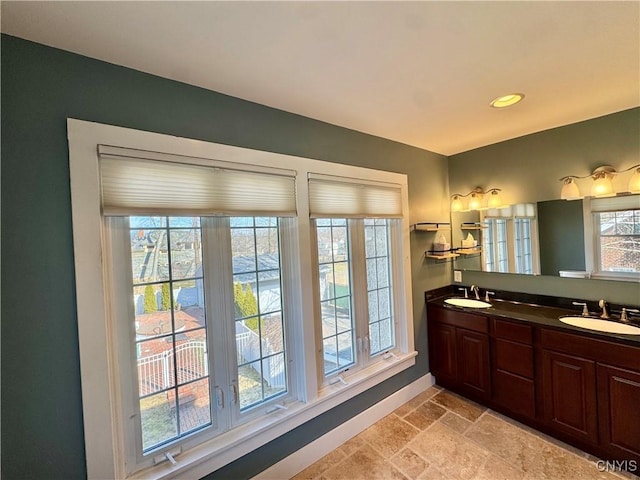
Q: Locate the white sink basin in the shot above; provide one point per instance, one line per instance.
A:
(601, 325)
(467, 302)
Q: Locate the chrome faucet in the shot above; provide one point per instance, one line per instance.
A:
(474, 289)
(466, 295)
(486, 295)
(603, 306)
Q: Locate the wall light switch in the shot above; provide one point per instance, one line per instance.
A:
(457, 276)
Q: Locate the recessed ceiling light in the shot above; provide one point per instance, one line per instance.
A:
(507, 100)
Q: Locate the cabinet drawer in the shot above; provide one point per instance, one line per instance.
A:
(625, 356)
(512, 331)
(513, 357)
(514, 393)
(476, 323)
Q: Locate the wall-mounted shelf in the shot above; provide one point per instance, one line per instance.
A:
(431, 226)
(444, 256)
(469, 251)
(472, 226)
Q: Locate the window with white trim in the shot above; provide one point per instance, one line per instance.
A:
(204, 279)
(510, 240)
(357, 316)
(612, 225)
(354, 231)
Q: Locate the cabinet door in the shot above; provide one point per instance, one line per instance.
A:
(474, 369)
(618, 405)
(442, 353)
(569, 387)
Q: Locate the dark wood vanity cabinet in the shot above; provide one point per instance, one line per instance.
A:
(569, 392)
(459, 351)
(619, 410)
(583, 389)
(591, 392)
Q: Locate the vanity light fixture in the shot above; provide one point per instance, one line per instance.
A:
(476, 200)
(602, 184)
(507, 100)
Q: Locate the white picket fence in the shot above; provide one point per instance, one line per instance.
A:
(158, 372)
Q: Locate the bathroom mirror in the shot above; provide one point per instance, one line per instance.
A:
(554, 240)
(497, 240)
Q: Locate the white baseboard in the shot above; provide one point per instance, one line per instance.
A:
(314, 451)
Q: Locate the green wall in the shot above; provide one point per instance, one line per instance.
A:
(42, 430)
(528, 168)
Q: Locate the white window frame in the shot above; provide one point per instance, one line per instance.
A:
(590, 207)
(104, 404)
(223, 372)
(359, 304)
(510, 239)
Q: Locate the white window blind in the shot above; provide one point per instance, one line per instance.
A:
(614, 204)
(331, 196)
(136, 182)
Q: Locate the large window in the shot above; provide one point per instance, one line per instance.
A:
(357, 317)
(509, 240)
(220, 302)
(618, 241)
(612, 233)
(209, 324)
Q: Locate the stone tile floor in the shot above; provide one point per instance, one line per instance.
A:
(440, 435)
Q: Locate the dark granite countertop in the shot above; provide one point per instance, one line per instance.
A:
(534, 313)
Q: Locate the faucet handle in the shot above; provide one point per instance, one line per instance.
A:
(466, 294)
(486, 295)
(585, 311)
(623, 315)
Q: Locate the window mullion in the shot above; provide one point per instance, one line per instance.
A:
(218, 282)
(293, 308)
(511, 249)
(359, 291)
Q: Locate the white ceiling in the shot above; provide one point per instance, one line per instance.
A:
(420, 73)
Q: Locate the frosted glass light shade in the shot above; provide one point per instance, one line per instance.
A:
(476, 202)
(634, 182)
(456, 204)
(494, 200)
(570, 190)
(602, 187)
